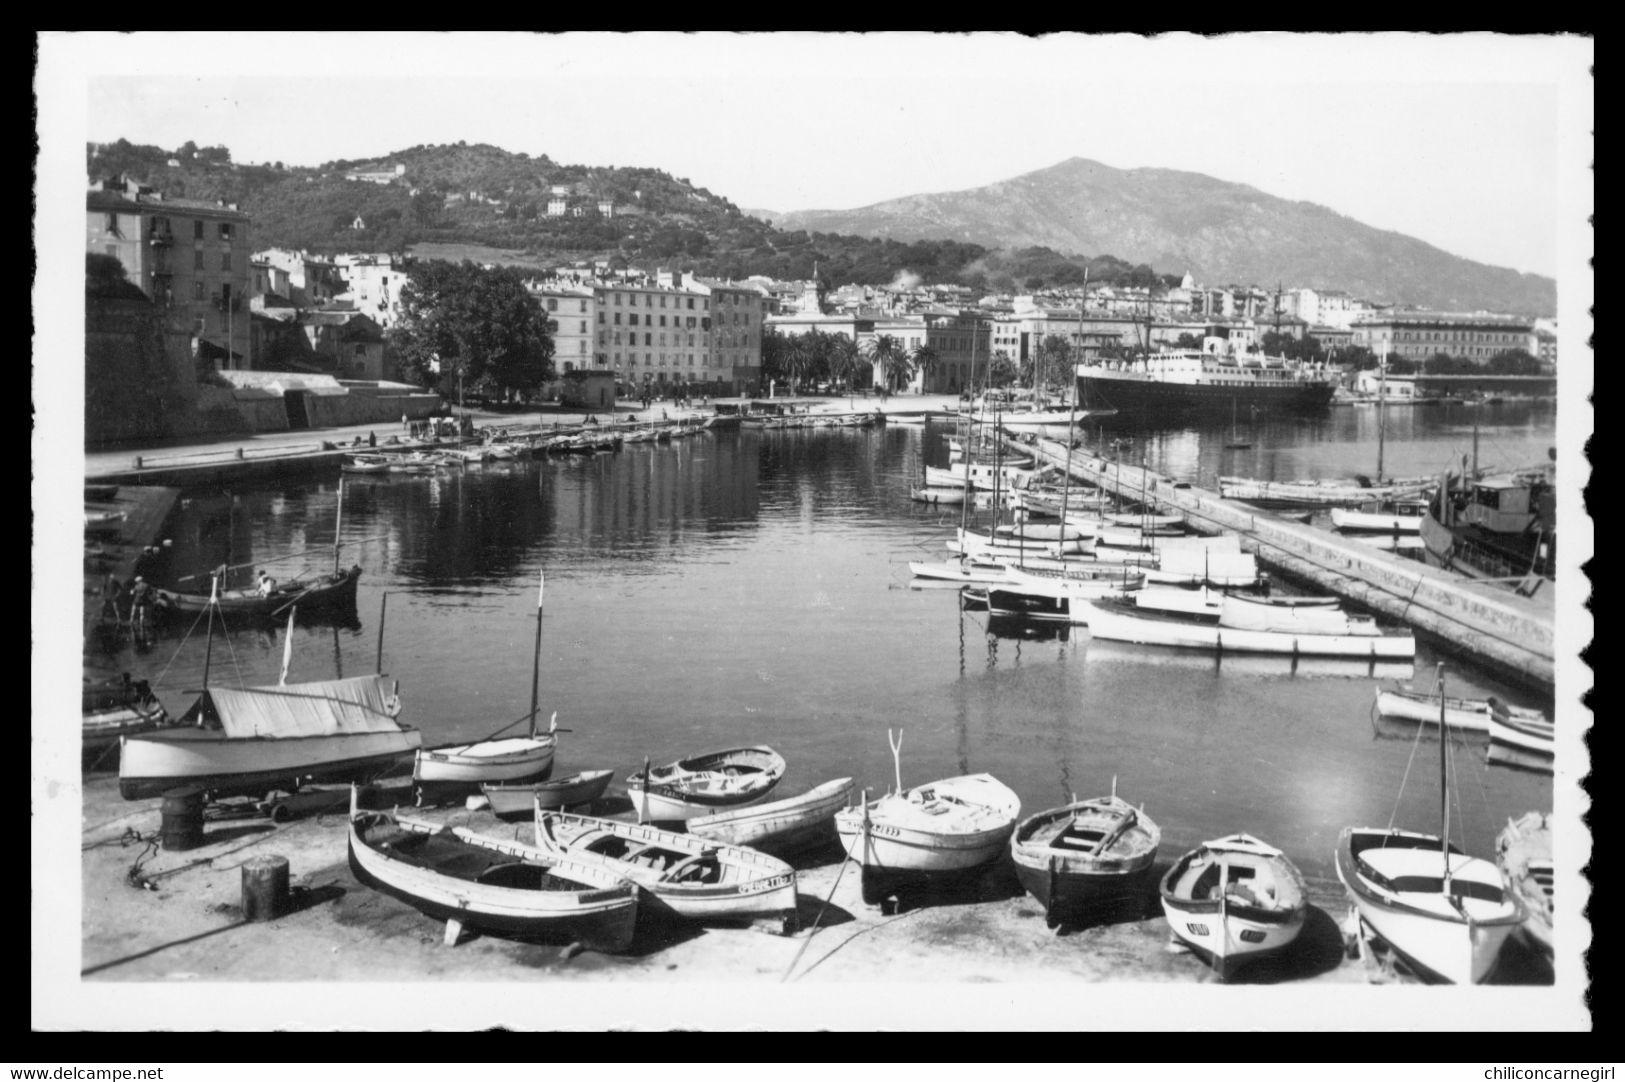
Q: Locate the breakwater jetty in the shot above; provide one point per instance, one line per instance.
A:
(1482, 620)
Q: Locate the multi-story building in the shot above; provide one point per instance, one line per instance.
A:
(962, 342)
(373, 284)
(738, 313)
(190, 257)
(571, 320)
(1418, 335)
(311, 280)
(653, 335)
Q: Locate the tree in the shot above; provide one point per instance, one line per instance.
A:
(461, 320)
(844, 359)
(925, 360)
(1001, 370)
(1188, 341)
(890, 358)
(1513, 362)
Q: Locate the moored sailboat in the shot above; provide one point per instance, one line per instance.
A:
(1444, 913)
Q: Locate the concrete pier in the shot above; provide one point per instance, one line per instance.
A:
(1480, 619)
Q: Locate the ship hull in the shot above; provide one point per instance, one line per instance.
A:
(1142, 397)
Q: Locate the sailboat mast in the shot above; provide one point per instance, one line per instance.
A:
(969, 492)
(208, 643)
(1444, 780)
(338, 523)
(536, 661)
(1382, 418)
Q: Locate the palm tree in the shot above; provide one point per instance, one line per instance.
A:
(890, 358)
(843, 359)
(799, 360)
(925, 360)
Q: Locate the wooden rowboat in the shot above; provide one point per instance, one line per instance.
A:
(1084, 855)
(522, 798)
(464, 878)
(327, 592)
(1468, 715)
(705, 784)
(781, 826)
(516, 758)
(1523, 851)
(1115, 620)
(678, 874)
(949, 826)
(1234, 900)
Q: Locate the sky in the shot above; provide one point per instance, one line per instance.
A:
(1460, 140)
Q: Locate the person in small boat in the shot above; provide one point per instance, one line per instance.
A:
(267, 585)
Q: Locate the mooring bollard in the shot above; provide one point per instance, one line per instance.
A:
(137, 463)
(265, 887)
(240, 452)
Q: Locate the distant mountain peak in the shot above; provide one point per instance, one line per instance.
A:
(1222, 232)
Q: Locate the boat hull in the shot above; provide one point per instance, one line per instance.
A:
(1439, 946)
(522, 799)
(1086, 858)
(894, 838)
(1141, 397)
(152, 763)
(521, 759)
(334, 592)
(706, 784)
(781, 826)
(1107, 624)
(603, 918)
(751, 884)
(1262, 911)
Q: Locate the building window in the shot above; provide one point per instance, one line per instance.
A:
(197, 230)
(197, 260)
(601, 318)
(225, 262)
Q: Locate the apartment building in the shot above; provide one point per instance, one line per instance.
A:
(738, 312)
(1418, 335)
(190, 257)
(648, 334)
(571, 320)
(372, 283)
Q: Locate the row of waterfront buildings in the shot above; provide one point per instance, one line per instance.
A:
(243, 308)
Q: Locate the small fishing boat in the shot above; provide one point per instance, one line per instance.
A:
(510, 759)
(780, 826)
(949, 826)
(464, 878)
(364, 464)
(325, 593)
(1314, 618)
(679, 875)
(118, 707)
(1445, 914)
(1085, 855)
(1314, 493)
(940, 495)
(966, 569)
(705, 784)
(1518, 739)
(1523, 851)
(522, 798)
(1234, 900)
(517, 758)
(1381, 516)
(1465, 715)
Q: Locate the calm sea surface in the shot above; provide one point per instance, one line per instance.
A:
(753, 588)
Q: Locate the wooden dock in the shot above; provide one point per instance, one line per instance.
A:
(1470, 616)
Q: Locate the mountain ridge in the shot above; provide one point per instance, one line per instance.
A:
(1222, 232)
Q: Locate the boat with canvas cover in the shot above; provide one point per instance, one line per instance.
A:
(1124, 622)
(780, 826)
(259, 739)
(522, 798)
(1235, 900)
(946, 827)
(678, 874)
(1087, 855)
(1523, 851)
(491, 884)
(705, 784)
(1444, 913)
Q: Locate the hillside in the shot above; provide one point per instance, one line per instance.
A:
(1222, 233)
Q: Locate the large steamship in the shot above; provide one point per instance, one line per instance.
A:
(1219, 378)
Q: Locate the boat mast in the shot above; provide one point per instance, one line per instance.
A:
(338, 522)
(536, 662)
(1382, 410)
(1444, 781)
(208, 643)
(970, 429)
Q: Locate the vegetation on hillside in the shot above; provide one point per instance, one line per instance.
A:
(480, 194)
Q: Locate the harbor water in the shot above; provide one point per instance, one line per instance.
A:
(753, 588)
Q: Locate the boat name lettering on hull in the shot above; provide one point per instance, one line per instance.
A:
(761, 885)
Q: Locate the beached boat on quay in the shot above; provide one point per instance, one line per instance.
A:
(1235, 900)
(1089, 856)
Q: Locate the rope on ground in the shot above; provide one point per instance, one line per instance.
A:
(814, 929)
